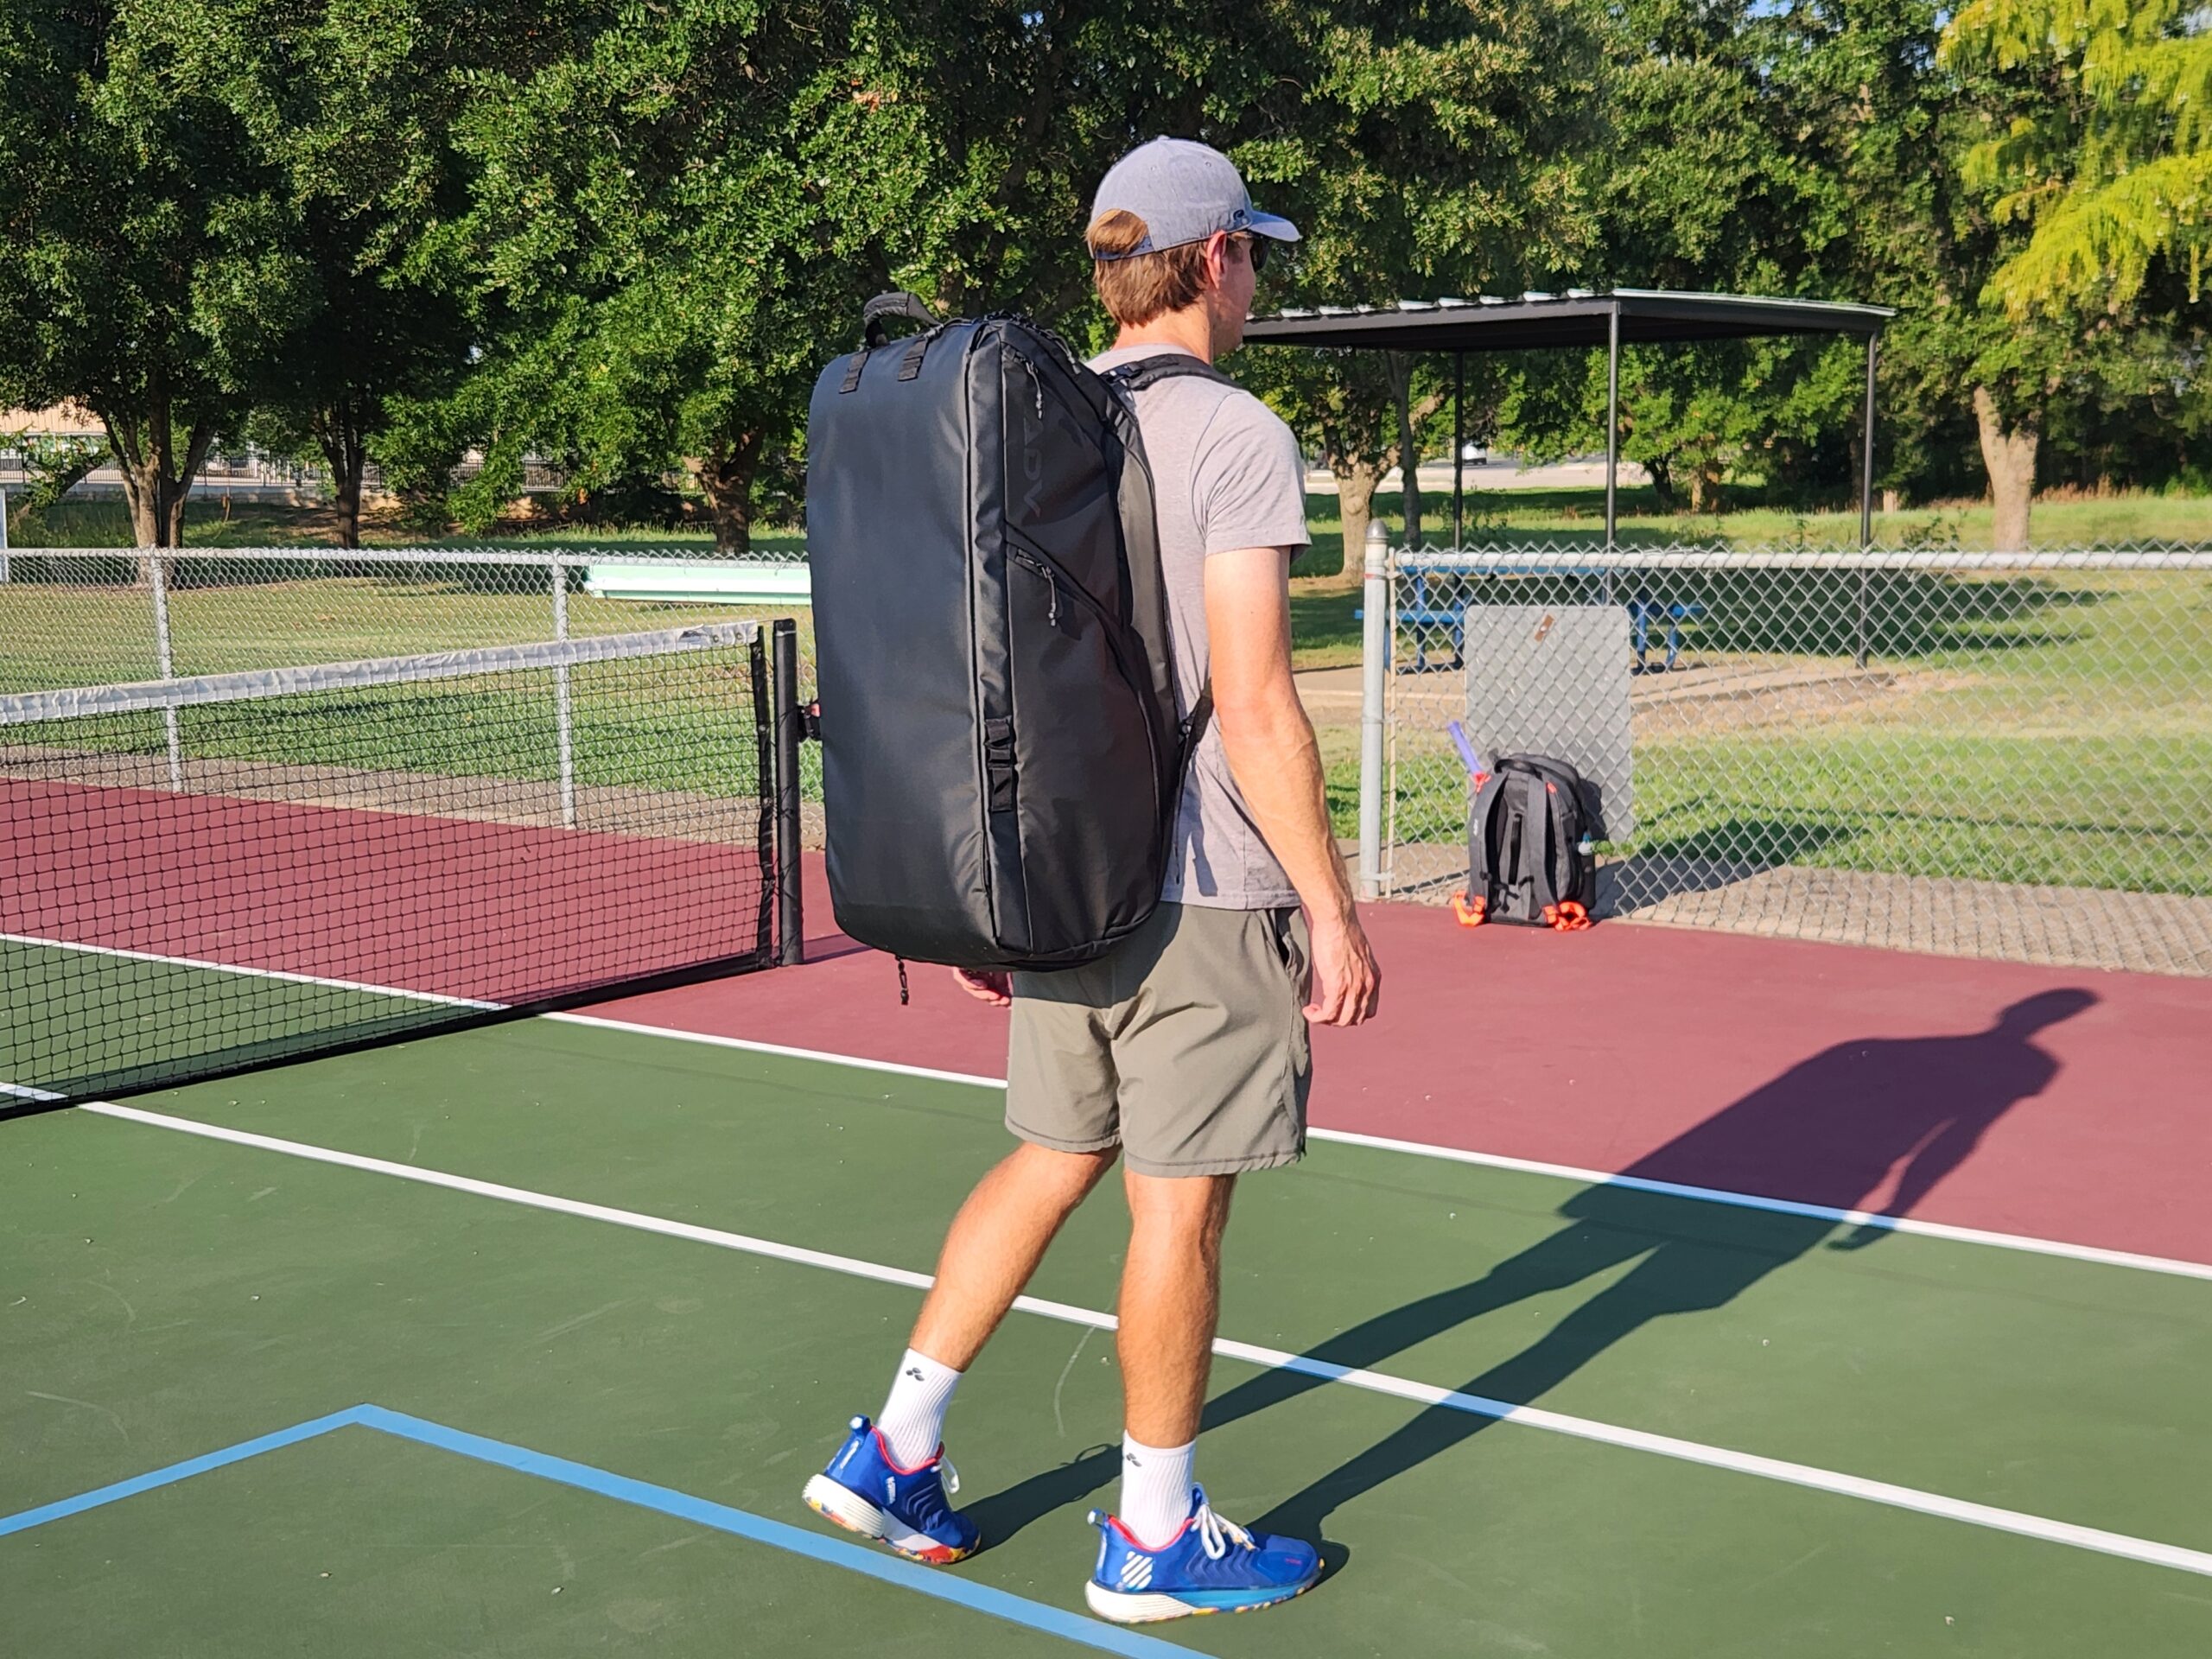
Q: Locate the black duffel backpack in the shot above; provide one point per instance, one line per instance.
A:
(1002, 755)
(1531, 859)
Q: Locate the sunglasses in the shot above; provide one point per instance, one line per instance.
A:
(1255, 249)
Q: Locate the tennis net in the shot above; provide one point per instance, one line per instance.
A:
(209, 874)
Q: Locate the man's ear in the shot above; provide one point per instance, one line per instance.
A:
(1217, 258)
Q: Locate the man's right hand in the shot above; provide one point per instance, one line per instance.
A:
(996, 988)
(1347, 984)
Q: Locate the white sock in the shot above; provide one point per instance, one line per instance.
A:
(1156, 1490)
(913, 1420)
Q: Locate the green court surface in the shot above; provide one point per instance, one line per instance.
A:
(165, 1295)
(101, 1022)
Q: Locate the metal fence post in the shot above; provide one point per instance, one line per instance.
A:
(4, 535)
(158, 580)
(564, 716)
(790, 920)
(1374, 668)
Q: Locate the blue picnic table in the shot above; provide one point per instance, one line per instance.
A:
(1431, 614)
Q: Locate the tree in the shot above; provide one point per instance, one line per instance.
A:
(1437, 153)
(2113, 168)
(655, 213)
(149, 269)
(1931, 234)
(353, 107)
(1718, 179)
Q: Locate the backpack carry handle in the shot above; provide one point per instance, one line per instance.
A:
(896, 303)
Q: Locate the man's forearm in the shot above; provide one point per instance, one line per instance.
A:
(1276, 761)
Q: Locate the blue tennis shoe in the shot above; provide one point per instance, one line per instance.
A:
(865, 1491)
(1212, 1566)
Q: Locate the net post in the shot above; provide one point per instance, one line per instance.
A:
(789, 903)
(563, 702)
(157, 581)
(1374, 668)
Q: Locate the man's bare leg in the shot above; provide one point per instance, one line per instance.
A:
(1171, 1300)
(888, 1484)
(996, 1243)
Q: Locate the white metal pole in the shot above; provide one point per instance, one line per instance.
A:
(564, 708)
(157, 578)
(1374, 668)
(4, 535)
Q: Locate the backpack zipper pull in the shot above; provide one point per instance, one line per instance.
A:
(1036, 386)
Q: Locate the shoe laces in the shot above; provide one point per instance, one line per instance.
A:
(949, 1475)
(1214, 1534)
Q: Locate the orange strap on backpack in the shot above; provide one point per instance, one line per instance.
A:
(1469, 911)
(1567, 917)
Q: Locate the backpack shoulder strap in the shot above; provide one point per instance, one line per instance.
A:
(1538, 819)
(1169, 365)
(1482, 869)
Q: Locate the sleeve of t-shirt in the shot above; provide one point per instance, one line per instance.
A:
(1248, 481)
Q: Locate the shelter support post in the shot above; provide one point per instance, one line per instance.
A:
(1866, 492)
(1613, 434)
(1459, 449)
(1375, 666)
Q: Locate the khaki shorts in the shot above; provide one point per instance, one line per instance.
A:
(1185, 1046)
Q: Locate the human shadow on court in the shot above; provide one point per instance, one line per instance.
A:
(1828, 1132)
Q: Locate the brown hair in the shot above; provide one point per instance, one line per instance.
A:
(1140, 287)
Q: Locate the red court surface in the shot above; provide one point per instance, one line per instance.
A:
(450, 906)
(1823, 1073)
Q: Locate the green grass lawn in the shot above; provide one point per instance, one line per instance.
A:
(1578, 516)
(211, 521)
(683, 723)
(1551, 515)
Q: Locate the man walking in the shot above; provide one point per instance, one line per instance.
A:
(1183, 1050)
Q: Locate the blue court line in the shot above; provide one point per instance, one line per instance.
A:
(741, 1523)
(177, 1472)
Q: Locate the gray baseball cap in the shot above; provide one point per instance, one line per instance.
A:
(1184, 192)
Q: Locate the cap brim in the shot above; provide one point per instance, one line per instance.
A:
(1272, 226)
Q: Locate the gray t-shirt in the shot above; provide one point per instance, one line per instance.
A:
(1227, 474)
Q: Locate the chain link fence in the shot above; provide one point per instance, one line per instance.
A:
(2002, 755)
(75, 617)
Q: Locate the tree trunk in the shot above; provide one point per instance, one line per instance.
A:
(1401, 369)
(725, 473)
(153, 487)
(2009, 459)
(339, 434)
(1356, 481)
(1705, 486)
(1662, 471)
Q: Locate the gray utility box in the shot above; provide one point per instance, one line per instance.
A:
(1552, 679)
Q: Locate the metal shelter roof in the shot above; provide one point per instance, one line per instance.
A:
(1577, 317)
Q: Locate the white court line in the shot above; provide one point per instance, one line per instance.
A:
(1794, 1474)
(2021, 1241)
(23, 1091)
(250, 973)
(2024, 1243)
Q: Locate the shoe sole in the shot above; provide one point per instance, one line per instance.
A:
(849, 1509)
(1123, 1607)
